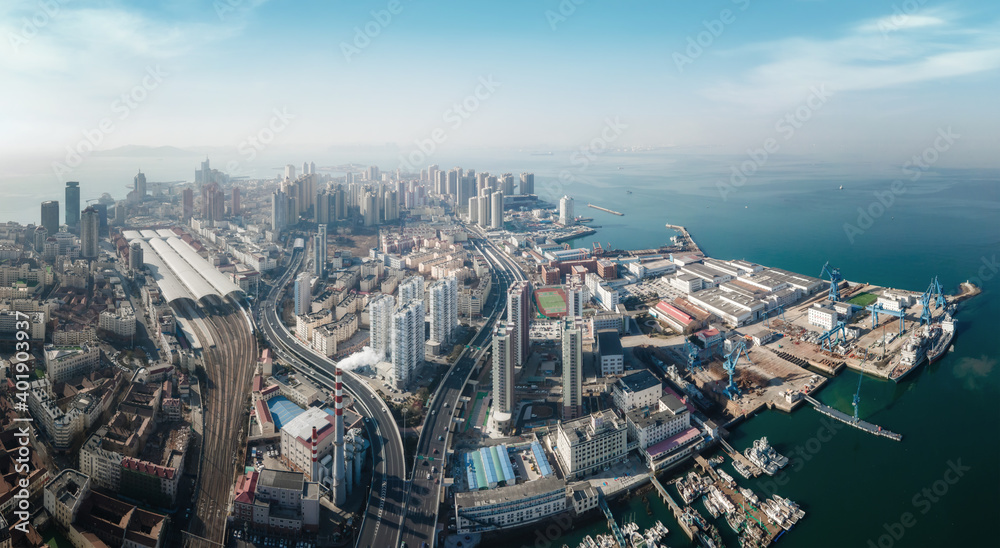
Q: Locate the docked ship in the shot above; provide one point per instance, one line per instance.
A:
(741, 469)
(915, 349)
(947, 334)
(710, 506)
(764, 456)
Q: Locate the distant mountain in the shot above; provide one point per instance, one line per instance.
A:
(137, 151)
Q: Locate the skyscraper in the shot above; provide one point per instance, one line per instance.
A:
(188, 200)
(407, 341)
(507, 184)
(474, 210)
(572, 370)
(289, 172)
(303, 294)
(527, 183)
(140, 185)
(566, 215)
(443, 309)
(574, 297)
(73, 206)
(319, 253)
(484, 209)
(380, 311)
(518, 318)
(236, 201)
(496, 211)
(50, 216)
(135, 258)
(90, 224)
(279, 211)
(102, 215)
(503, 375)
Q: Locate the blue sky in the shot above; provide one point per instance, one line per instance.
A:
(891, 73)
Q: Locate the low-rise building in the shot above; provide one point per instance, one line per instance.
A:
(510, 506)
(65, 362)
(584, 445)
(823, 317)
(636, 390)
(612, 356)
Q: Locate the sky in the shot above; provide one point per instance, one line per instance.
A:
(845, 79)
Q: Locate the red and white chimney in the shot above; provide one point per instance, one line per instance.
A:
(339, 480)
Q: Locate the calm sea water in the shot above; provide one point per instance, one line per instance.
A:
(791, 215)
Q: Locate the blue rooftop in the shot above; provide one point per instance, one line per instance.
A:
(282, 411)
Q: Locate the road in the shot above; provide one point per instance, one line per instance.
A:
(229, 367)
(384, 511)
(435, 436)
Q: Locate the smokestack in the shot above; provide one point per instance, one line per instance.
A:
(339, 480)
(314, 471)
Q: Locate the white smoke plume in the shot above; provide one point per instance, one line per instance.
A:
(366, 356)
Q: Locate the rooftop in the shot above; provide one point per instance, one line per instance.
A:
(638, 381)
(511, 493)
(281, 480)
(609, 343)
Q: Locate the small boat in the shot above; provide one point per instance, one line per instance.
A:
(841, 187)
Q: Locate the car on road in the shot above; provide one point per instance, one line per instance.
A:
(440, 438)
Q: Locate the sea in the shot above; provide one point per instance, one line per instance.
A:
(897, 228)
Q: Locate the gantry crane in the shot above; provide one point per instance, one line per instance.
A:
(730, 367)
(835, 279)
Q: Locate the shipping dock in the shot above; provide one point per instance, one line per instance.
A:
(849, 420)
(606, 210)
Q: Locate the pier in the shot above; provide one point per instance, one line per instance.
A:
(606, 210)
(736, 455)
(611, 520)
(689, 244)
(690, 530)
(849, 420)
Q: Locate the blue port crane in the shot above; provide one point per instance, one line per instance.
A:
(694, 361)
(781, 312)
(837, 335)
(729, 366)
(877, 309)
(835, 279)
(933, 291)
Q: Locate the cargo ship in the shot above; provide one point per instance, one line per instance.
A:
(929, 340)
(947, 334)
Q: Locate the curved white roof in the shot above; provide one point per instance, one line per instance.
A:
(219, 281)
(132, 235)
(166, 233)
(195, 283)
(149, 234)
(170, 286)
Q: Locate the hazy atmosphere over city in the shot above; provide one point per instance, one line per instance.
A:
(456, 274)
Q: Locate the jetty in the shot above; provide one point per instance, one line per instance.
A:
(850, 421)
(688, 241)
(690, 529)
(606, 210)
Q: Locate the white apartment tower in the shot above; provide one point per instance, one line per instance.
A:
(443, 304)
(407, 341)
(496, 210)
(411, 289)
(303, 294)
(380, 311)
(503, 375)
(320, 251)
(566, 213)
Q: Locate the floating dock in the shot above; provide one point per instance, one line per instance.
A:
(606, 210)
(849, 420)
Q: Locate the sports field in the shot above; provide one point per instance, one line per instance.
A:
(864, 299)
(551, 301)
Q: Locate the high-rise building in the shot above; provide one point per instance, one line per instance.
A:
(574, 297)
(407, 341)
(518, 318)
(312, 168)
(474, 210)
(305, 168)
(188, 201)
(120, 213)
(503, 375)
(279, 211)
(212, 202)
(566, 215)
(50, 216)
(572, 370)
(443, 309)
(432, 174)
(303, 294)
(370, 209)
(41, 234)
(507, 184)
(289, 172)
(90, 225)
(73, 206)
(323, 200)
(373, 173)
(380, 311)
(527, 183)
(391, 207)
(319, 254)
(135, 257)
(102, 215)
(496, 211)
(410, 289)
(236, 201)
(140, 185)
(484, 209)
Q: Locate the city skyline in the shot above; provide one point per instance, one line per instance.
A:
(857, 79)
